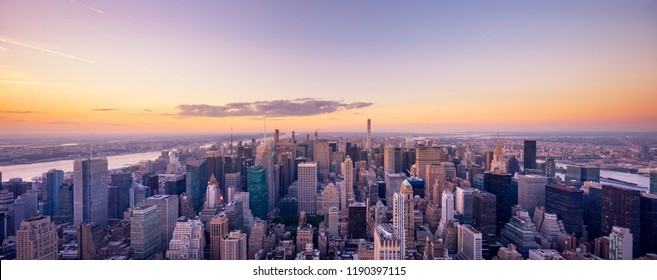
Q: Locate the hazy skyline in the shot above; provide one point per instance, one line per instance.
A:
(195, 66)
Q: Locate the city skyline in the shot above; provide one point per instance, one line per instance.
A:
(159, 67)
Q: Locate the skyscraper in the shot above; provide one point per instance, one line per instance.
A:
(36, 239)
(529, 154)
(357, 220)
(218, 229)
(594, 212)
(54, 180)
(119, 201)
(520, 231)
(464, 200)
(447, 210)
(188, 240)
(531, 192)
(621, 207)
(498, 164)
(233, 246)
(197, 182)
(258, 187)
(347, 184)
(308, 187)
(399, 220)
(499, 184)
(145, 233)
(90, 197)
(167, 206)
(425, 155)
(321, 157)
(392, 159)
(620, 244)
(406, 190)
(469, 243)
(333, 216)
(567, 203)
(484, 219)
(648, 223)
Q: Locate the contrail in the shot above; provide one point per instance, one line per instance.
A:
(49, 51)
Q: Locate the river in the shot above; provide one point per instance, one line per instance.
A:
(29, 171)
(642, 181)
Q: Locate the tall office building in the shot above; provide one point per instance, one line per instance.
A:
(531, 192)
(446, 211)
(521, 232)
(498, 164)
(387, 246)
(90, 197)
(464, 200)
(321, 157)
(425, 155)
(347, 184)
(392, 159)
(550, 168)
(151, 180)
(258, 191)
(648, 225)
(212, 193)
(54, 180)
(621, 207)
(499, 184)
(233, 246)
(529, 154)
(197, 182)
(187, 241)
(399, 219)
(406, 190)
(256, 238)
(513, 167)
(90, 239)
(567, 203)
(308, 187)
(167, 206)
(653, 181)
(469, 243)
(435, 183)
(393, 183)
(620, 244)
(357, 220)
(329, 198)
(369, 135)
(333, 217)
(37, 239)
(218, 229)
(119, 200)
(145, 233)
(484, 219)
(594, 211)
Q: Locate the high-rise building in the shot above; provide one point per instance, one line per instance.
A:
(256, 238)
(529, 154)
(308, 187)
(145, 233)
(621, 207)
(498, 164)
(435, 183)
(447, 211)
(469, 243)
(499, 184)
(212, 193)
(36, 239)
(594, 211)
(258, 187)
(218, 229)
(54, 180)
(425, 155)
(167, 206)
(484, 219)
(392, 159)
(233, 246)
(64, 211)
(387, 244)
(197, 182)
(235, 215)
(25, 207)
(329, 197)
(513, 167)
(620, 244)
(645, 153)
(357, 220)
(550, 168)
(520, 231)
(90, 239)
(347, 184)
(567, 203)
(321, 157)
(333, 217)
(188, 240)
(531, 191)
(399, 219)
(464, 200)
(648, 223)
(90, 198)
(151, 180)
(406, 190)
(119, 196)
(393, 183)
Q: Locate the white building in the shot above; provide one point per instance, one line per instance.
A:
(308, 187)
(188, 241)
(469, 242)
(620, 244)
(531, 191)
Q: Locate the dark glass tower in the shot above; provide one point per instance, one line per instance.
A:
(648, 223)
(621, 207)
(594, 212)
(567, 203)
(530, 154)
(499, 184)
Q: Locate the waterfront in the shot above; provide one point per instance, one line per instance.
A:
(29, 171)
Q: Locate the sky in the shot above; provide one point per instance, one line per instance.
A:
(86, 66)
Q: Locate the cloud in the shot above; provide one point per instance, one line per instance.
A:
(62, 123)
(148, 110)
(48, 51)
(109, 124)
(87, 7)
(273, 108)
(104, 109)
(17, 112)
